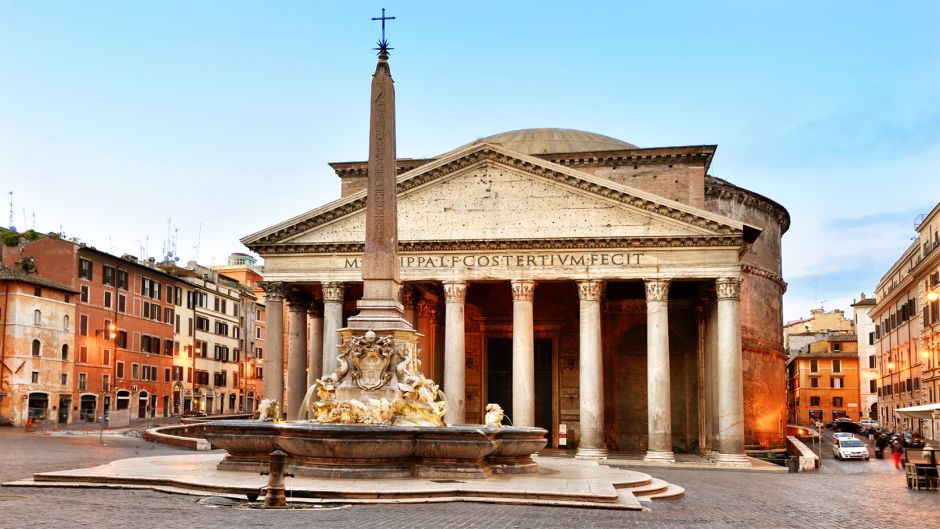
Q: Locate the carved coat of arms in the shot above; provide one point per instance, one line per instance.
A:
(370, 357)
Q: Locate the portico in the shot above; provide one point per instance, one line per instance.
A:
(567, 298)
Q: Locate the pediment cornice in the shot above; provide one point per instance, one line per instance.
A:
(478, 245)
(486, 153)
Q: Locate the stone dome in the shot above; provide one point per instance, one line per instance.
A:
(545, 141)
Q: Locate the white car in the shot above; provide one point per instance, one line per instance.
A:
(841, 435)
(850, 449)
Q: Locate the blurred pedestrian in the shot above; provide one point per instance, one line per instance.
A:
(896, 450)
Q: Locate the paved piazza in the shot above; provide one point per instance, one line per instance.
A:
(844, 494)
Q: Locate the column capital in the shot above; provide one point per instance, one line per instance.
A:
(657, 289)
(523, 289)
(315, 308)
(273, 290)
(427, 309)
(728, 288)
(407, 296)
(455, 291)
(590, 289)
(297, 299)
(333, 292)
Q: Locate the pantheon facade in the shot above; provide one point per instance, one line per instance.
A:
(619, 297)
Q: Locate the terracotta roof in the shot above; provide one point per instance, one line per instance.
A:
(9, 274)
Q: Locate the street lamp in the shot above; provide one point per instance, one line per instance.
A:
(932, 296)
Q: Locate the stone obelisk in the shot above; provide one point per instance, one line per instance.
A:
(380, 308)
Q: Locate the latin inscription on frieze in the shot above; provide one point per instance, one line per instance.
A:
(552, 260)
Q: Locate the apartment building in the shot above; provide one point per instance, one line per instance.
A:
(867, 356)
(823, 381)
(907, 330)
(37, 348)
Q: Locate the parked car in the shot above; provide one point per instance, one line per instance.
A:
(911, 440)
(845, 425)
(868, 424)
(850, 449)
(194, 413)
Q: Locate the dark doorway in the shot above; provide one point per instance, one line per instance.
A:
(499, 379)
(86, 408)
(65, 404)
(543, 386)
(499, 373)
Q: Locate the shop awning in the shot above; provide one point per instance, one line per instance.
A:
(919, 412)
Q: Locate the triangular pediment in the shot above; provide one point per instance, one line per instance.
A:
(485, 192)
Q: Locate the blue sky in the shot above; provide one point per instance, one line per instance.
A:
(222, 115)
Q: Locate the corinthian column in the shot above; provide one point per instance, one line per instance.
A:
(658, 405)
(523, 353)
(332, 321)
(297, 302)
(315, 361)
(591, 444)
(730, 383)
(273, 386)
(455, 294)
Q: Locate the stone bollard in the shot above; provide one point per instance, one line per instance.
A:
(275, 497)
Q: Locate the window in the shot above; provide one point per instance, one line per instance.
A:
(189, 374)
(65, 323)
(83, 382)
(65, 351)
(169, 293)
(872, 385)
(145, 372)
(64, 379)
(121, 340)
(202, 349)
(135, 371)
(119, 371)
(37, 292)
(168, 347)
(168, 315)
(37, 317)
(837, 402)
(202, 323)
(837, 347)
(836, 382)
(221, 328)
(122, 279)
(106, 383)
(83, 354)
(84, 269)
(107, 275)
(257, 332)
(122, 303)
(836, 366)
(176, 327)
(36, 348)
(871, 338)
(84, 295)
(871, 361)
(814, 401)
(178, 296)
(177, 373)
(814, 366)
(166, 374)
(106, 357)
(83, 325)
(107, 300)
(814, 382)
(35, 377)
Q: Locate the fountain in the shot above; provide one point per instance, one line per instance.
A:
(377, 415)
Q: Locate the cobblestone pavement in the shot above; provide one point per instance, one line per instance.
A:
(853, 493)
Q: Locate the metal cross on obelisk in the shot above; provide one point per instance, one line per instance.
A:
(383, 44)
(380, 307)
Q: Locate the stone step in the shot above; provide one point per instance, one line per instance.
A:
(631, 480)
(672, 492)
(654, 486)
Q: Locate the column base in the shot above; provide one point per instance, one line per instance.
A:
(591, 454)
(732, 460)
(656, 456)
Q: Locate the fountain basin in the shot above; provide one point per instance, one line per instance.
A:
(373, 452)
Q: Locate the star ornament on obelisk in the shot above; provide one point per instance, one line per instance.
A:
(380, 307)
